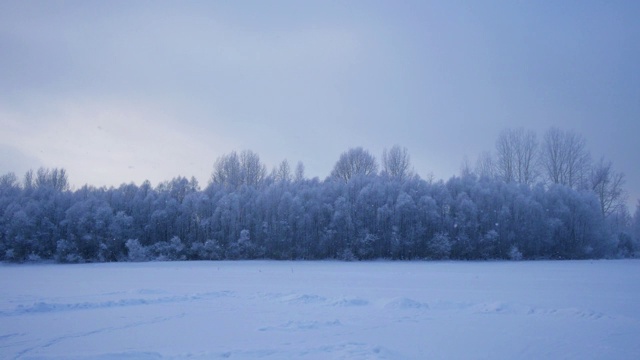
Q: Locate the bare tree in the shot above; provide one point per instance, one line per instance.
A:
(505, 161)
(465, 167)
(565, 159)
(9, 180)
(516, 156)
(28, 181)
(355, 161)
(636, 222)
(226, 170)
(607, 185)
(235, 170)
(485, 166)
(299, 175)
(396, 163)
(54, 178)
(283, 173)
(526, 153)
(253, 170)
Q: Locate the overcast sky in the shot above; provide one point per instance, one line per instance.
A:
(125, 91)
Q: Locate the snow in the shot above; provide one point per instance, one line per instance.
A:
(321, 310)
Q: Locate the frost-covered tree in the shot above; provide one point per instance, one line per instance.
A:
(353, 162)
(439, 246)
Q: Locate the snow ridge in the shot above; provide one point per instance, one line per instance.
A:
(48, 307)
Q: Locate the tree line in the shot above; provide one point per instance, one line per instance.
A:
(525, 201)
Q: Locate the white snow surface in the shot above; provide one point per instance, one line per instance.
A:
(321, 310)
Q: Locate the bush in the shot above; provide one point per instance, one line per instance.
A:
(346, 255)
(136, 252)
(167, 250)
(10, 255)
(243, 248)
(515, 254)
(67, 252)
(210, 250)
(34, 258)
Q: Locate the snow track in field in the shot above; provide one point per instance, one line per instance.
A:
(45, 307)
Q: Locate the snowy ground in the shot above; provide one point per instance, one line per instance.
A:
(321, 310)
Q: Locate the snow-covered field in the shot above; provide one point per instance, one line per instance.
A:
(321, 310)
